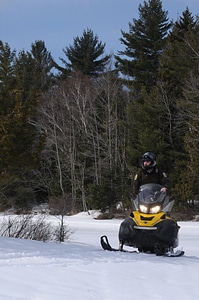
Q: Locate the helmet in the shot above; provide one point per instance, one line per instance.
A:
(148, 156)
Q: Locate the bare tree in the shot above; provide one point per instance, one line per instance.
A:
(83, 138)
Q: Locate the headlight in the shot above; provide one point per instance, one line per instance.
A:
(155, 209)
(143, 209)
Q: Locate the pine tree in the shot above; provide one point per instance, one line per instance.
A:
(178, 58)
(84, 55)
(43, 65)
(143, 45)
(7, 76)
(19, 98)
(7, 58)
(186, 23)
(33, 69)
(178, 67)
(145, 132)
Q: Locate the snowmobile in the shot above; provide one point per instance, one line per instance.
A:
(149, 228)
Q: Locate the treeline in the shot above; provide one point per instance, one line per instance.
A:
(73, 136)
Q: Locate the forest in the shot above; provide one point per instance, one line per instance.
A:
(72, 135)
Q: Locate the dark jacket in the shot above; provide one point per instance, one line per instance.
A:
(155, 176)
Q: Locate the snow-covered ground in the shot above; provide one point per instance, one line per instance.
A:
(80, 269)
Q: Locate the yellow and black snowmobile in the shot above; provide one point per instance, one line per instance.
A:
(149, 228)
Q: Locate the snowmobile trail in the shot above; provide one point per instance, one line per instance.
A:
(81, 269)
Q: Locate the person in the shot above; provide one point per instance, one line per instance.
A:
(150, 174)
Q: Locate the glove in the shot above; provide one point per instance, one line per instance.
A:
(163, 190)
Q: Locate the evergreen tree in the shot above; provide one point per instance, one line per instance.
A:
(19, 98)
(33, 69)
(7, 76)
(84, 55)
(186, 23)
(179, 60)
(20, 143)
(43, 64)
(24, 72)
(144, 128)
(7, 58)
(143, 45)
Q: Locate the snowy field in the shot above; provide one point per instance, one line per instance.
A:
(80, 269)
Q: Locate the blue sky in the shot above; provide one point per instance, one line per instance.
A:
(57, 22)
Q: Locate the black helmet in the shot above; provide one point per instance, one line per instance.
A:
(148, 156)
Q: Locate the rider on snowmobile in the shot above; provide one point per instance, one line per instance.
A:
(149, 231)
(150, 174)
(149, 227)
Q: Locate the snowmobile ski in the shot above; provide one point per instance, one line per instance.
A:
(106, 246)
(176, 253)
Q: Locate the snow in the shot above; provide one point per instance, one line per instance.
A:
(80, 269)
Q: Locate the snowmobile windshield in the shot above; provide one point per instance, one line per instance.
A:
(150, 198)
